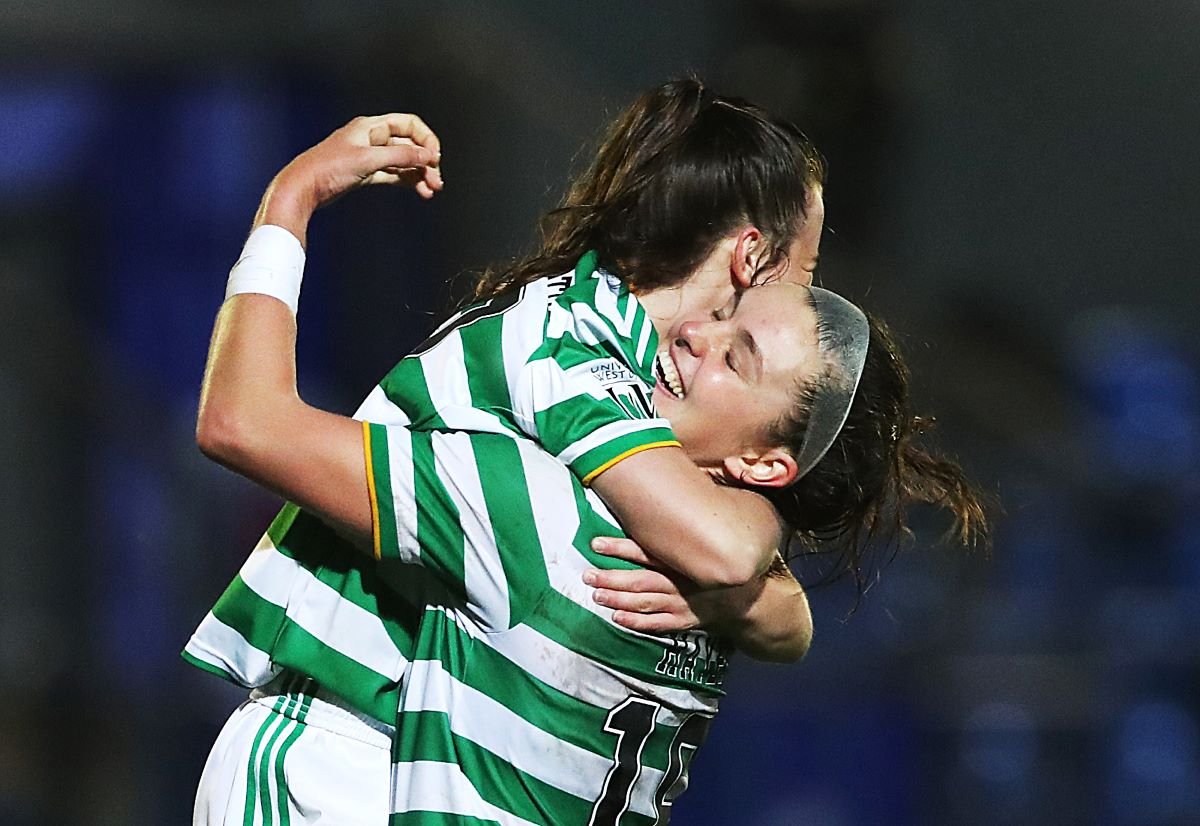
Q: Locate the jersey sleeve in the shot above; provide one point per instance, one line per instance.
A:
(441, 499)
(588, 386)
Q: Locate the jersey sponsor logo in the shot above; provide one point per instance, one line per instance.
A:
(694, 658)
(624, 388)
(633, 399)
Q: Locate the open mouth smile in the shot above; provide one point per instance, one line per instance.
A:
(668, 375)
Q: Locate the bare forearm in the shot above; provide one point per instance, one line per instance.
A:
(715, 536)
(251, 417)
(776, 625)
(253, 421)
(768, 618)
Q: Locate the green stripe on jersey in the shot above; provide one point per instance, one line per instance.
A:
(353, 575)
(255, 618)
(427, 737)
(483, 357)
(436, 819)
(406, 387)
(361, 688)
(502, 478)
(438, 523)
(209, 667)
(381, 484)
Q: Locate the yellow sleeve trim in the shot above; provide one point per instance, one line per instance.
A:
(587, 480)
(375, 537)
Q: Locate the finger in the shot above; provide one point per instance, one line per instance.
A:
(382, 177)
(636, 581)
(402, 155)
(622, 549)
(643, 603)
(409, 126)
(433, 177)
(654, 623)
(411, 176)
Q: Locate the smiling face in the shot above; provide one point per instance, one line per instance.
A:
(724, 381)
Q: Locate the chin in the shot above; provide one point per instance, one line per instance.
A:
(663, 400)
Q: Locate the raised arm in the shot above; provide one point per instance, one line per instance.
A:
(251, 418)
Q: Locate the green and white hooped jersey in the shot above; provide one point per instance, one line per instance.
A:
(523, 702)
(567, 361)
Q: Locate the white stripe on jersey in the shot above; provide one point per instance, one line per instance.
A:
(589, 326)
(486, 584)
(520, 336)
(378, 408)
(454, 463)
(404, 505)
(269, 573)
(545, 383)
(445, 369)
(607, 433)
(445, 372)
(643, 339)
(320, 610)
(346, 628)
(442, 787)
(489, 723)
(558, 321)
(556, 517)
(606, 303)
(245, 663)
(585, 679)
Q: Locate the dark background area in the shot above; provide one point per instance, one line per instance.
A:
(1013, 185)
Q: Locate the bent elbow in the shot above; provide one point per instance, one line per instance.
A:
(796, 647)
(726, 573)
(220, 435)
(794, 644)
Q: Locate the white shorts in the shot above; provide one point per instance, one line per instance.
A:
(291, 755)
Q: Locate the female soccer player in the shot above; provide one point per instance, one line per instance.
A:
(252, 421)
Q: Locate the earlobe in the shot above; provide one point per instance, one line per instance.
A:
(774, 468)
(747, 250)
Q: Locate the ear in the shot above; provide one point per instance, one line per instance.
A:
(771, 468)
(748, 248)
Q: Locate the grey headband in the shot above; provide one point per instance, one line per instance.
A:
(843, 335)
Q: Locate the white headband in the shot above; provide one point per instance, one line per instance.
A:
(843, 335)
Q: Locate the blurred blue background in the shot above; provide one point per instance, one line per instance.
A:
(1014, 185)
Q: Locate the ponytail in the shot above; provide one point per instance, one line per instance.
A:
(856, 497)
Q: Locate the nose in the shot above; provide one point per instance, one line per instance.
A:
(696, 337)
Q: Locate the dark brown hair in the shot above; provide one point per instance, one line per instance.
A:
(855, 498)
(678, 170)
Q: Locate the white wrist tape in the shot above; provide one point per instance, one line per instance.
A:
(272, 263)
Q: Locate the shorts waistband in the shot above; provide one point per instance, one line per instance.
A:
(300, 698)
